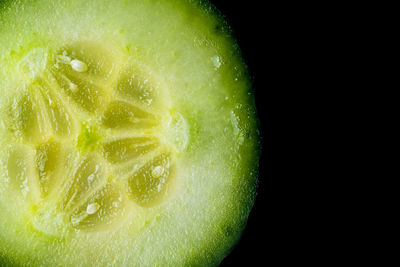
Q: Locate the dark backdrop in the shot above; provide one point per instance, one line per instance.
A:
(247, 20)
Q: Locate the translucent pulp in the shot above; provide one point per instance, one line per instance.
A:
(91, 139)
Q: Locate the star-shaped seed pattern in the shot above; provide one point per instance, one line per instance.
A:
(86, 138)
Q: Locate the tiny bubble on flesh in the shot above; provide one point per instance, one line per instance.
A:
(216, 61)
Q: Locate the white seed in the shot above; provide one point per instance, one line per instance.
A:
(78, 65)
(157, 171)
(92, 208)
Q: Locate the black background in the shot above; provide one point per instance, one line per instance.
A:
(247, 26)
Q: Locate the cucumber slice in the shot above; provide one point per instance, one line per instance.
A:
(129, 134)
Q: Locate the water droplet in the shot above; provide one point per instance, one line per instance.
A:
(92, 208)
(216, 61)
(78, 65)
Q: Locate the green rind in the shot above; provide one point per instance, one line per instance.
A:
(239, 152)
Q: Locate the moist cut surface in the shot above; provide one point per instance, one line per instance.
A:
(128, 134)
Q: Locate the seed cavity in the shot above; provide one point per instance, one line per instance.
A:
(93, 145)
(78, 65)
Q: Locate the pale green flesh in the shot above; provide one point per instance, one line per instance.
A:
(129, 136)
